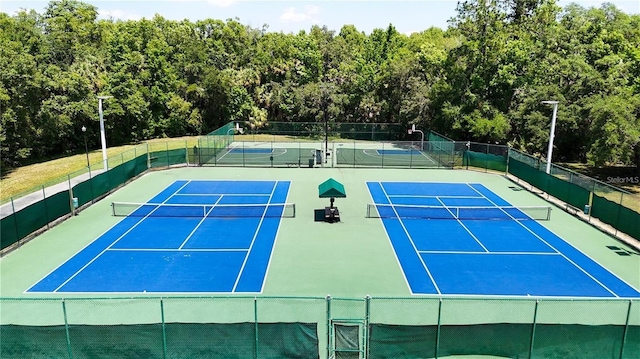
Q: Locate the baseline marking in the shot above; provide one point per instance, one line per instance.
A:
(559, 252)
(424, 265)
(111, 245)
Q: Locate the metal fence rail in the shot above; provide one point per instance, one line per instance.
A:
(326, 327)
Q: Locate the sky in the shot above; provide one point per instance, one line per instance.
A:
(292, 16)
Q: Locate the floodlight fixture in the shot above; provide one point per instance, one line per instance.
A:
(103, 139)
(551, 132)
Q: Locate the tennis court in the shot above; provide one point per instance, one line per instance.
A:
(412, 157)
(463, 239)
(268, 154)
(232, 269)
(193, 236)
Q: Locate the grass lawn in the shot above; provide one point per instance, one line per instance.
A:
(20, 180)
(24, 179)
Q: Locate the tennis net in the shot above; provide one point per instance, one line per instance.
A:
(127, 209)
(541, 213)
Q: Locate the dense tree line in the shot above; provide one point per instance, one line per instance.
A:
(482, 79)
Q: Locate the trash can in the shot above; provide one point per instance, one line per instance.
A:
(586, 209)
(75, 202)
(311, 162)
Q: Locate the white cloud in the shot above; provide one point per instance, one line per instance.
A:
(309, 13)
(118, 14)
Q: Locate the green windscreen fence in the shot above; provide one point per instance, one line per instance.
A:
(211, 145)
(168, 340)
(486, 156)
(504, 340)
(305, 327)
(441, 148)
(33, 217)
(56, 201)
(608, 204)
(8, 231)
(167, 158)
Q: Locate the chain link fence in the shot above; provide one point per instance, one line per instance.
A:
(26, 214)
(317, 327)
(609, 204)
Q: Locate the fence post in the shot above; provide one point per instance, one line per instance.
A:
(367, 314)
(243, 160)
(66, 328)
(46, 207)
(618, 216)
(93, 197)
(533, 328)
(148, 156)
(164, 330)
(354, 153)
(328, 326)
(15, 222)
(255, 323)
(73, 208)
(591, 204)
(438, 328)
(486, 159)
(626, 326)
(506, 170)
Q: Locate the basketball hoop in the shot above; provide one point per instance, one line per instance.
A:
(409, 131)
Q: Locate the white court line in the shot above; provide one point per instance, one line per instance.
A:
(113, 243)
(426, 196)
(220, 194)
(424, 265)
(264, 280)
(559, 252)
(198, 225)
(231, 147)
(176, 250)
(465, 227)
(396, 159)
(490, 253)
(253, 240)
(428, 157)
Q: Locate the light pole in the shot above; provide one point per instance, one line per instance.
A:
(552, 132)
(412, 130)
(86, 148)
(103, 138)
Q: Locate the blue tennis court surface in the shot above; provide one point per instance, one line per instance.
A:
(513, 256)
(220, 250)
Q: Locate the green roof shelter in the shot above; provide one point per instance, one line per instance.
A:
(331, 189)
